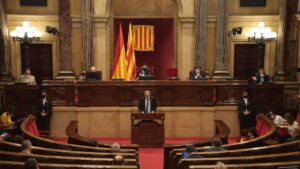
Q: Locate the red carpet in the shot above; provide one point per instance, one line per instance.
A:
(150, 158)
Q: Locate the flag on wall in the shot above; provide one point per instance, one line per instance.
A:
(131, 63)
(120, 62)
(143, 37)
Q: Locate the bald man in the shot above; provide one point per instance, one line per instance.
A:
(147, 104)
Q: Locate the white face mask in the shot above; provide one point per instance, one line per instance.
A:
(272, 116)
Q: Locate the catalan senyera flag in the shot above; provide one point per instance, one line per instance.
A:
(131, 63)
(120, 61)
(143, 37)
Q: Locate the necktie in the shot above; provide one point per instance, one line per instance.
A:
(147, 106)
(44, 101)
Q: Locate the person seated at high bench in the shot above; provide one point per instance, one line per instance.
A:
(27, 77)
(261, 77)
(143, 71)
(92, 74)
(197, 74)
(147, 104)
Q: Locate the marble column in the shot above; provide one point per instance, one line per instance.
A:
(298, 11)
(280, 74)
(65, 43)
(4, 57)
(221, 63)
(298, 38)
(200, 32)
(87, 34)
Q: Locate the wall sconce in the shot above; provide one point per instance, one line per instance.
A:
(51, 30)
(235, 31)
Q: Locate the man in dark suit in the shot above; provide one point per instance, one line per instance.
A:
(261, 77)
(147, 104)
(247, 115)
(92, 74)
(44, 112)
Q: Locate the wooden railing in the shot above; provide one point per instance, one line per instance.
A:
(259, 141)
(75, 138)
(222, 132)
(42, 142)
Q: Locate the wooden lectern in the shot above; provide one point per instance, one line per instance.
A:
(148, 130)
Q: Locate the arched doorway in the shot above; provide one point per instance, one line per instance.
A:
(160, 14)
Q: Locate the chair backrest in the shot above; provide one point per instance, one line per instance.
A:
(32, 128)
(259, 126)
(298, 117)
(172, 72)
(98, 72)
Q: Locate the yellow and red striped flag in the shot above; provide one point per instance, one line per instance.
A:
(120, 62)
(143, 37)
(131, 63)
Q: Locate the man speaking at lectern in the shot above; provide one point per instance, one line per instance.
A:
(147, 104)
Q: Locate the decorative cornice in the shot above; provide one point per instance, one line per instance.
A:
(52, 18)
(187, 19)
(100, 19)
(254, 18)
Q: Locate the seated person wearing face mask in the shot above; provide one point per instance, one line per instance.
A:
(261, 77)
(277, 119)
(27, 78)
(143, 72)
(197, 74)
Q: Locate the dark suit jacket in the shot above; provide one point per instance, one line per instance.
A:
(266, 79)
(93, 75)
(141, 71)
(47, 107)
(152, 102)
(193, 74)
(246, 121)
(242, 107)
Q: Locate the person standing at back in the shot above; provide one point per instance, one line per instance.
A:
(147, 104)
(44, 112)
(247, 115)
